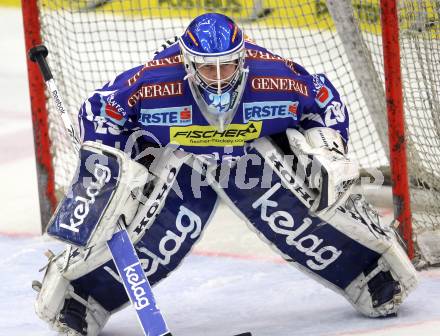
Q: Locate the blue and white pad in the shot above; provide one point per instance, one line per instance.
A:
(162, 248)
(346, 251)
(107, 184)
(163, 236)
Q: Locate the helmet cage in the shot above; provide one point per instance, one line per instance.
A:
(201, 86)
(221, 82)
(192, 59)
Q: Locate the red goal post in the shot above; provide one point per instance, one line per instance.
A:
(42, 142)
(396, 118)
(90, 41)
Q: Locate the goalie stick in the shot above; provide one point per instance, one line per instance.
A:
(122, 250)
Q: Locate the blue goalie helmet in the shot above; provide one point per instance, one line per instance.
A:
(213, 54)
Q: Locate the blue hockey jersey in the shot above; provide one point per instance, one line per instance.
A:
(155, 99)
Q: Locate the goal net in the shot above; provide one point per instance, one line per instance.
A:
(91, 41)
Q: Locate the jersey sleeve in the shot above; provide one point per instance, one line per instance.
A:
(109, 115)
(325, 108)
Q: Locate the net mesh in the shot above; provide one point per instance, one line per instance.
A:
(92, 41)
(419, 38)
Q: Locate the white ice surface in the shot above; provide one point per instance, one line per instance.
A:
(232, 283)
(222, 296)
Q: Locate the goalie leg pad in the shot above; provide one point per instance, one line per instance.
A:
(340, 250)
(161, 249)
(64, 308)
